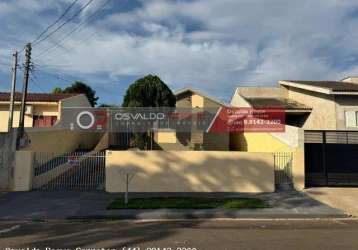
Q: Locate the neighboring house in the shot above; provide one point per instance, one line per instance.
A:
(194, 140)
(42, 109)
(311, 105)
(324, 128)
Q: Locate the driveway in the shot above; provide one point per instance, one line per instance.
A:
(51, 205)
(345, 199)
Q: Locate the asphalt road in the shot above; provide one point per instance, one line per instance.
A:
(231, 234)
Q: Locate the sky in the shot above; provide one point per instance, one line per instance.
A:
(210, 45)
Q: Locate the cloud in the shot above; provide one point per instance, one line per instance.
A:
(210, 44)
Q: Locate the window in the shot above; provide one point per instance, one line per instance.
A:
(351, 119)
(41, 121)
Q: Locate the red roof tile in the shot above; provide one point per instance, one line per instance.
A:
(37, 97)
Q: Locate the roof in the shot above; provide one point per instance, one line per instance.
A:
(181, 91)
(37, 97)
(334, 86)
(285, 103)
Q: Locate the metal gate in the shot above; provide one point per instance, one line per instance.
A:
(74, 171)
(331, 158)
(283, 168)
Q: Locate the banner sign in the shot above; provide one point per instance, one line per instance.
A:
(143, 119)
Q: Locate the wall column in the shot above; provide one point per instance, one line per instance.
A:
(23, 172)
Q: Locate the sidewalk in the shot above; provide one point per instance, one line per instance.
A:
(345, 199)
(283, 205)
(81, 205)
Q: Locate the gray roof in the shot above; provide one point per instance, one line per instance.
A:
(272, 102)
(335, 86)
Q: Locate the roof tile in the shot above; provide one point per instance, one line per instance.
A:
(37, 97)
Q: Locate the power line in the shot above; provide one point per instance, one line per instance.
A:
(32, 79)
(67, 80)
(78, 27)
(57, 20)
(64, 23)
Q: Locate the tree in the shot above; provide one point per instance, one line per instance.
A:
(149, 91)
(57, 90)
(81, 88)
(105, 105)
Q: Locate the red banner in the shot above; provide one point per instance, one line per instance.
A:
(230, 119)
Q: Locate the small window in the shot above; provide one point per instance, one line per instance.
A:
(351, 119)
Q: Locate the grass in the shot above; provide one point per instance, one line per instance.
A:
(188, 203)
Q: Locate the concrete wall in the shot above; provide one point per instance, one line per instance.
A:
(190, 171)
(60, 141)
(7, 159)
(298, 163)
(23, 172)
(239, 101)
(323, 115)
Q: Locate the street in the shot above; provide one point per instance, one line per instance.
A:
(190, 234)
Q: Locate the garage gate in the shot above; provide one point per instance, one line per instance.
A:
(72, 171)
(331, 158)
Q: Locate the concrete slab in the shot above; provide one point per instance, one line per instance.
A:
(345, 199)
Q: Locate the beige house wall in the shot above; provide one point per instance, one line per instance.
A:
(39, 108)
(4, 118)
(171, 140)
(323, 115)
(197, 101)
(165, 137)
(183, 103)
(190, 171)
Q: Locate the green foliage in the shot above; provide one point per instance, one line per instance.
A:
(149, 91)
(57, 90)
(80, 88)
(189, 203)
(105, 105)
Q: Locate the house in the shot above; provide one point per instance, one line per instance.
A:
(321, 122)
(311, 105)
(189, 98)
(42, 109)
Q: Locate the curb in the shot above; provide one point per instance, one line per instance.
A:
(202, 214)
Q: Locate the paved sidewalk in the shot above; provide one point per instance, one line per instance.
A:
(81, 205)
(345, 199)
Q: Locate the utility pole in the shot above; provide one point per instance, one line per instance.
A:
(13, 88)
(24, 91)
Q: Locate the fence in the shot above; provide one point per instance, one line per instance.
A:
(283, 168)
(75, 171)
